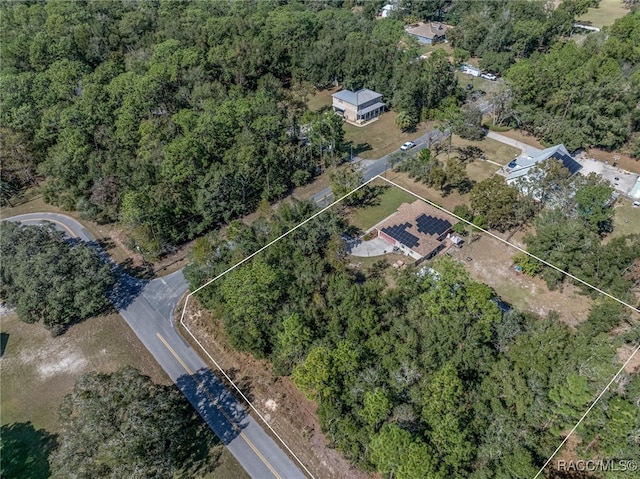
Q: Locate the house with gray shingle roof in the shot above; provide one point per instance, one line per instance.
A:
(358, 107)
(428, 33)
(521, 167)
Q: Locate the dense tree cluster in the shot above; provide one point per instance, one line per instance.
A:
(124, 425)
(507, 30)
(177, 116)
(415, 375)
(570, 244)
(583, 95)
(47, 278)
(432, 172)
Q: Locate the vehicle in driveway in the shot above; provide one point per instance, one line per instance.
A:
(407, 145)
(489, 76)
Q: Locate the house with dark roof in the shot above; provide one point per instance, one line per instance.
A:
(358, 107)
(429, 33)
(417, 229)
(520, 168)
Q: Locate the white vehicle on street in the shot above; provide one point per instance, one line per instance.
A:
(407, 146)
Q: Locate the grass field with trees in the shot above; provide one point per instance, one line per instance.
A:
(424, 378)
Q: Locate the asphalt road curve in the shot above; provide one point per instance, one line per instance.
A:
(147, 307)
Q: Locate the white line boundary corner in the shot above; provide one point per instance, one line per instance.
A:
(255, 410)
(239, 263)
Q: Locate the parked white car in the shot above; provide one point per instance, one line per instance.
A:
(489, 76)
(407, 146)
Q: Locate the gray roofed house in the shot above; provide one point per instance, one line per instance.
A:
(524, 165)
(428, 33)
(358, 107)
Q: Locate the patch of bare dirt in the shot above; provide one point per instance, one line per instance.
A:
(277, 399)
(38, 370)
(490, 261)
(623, 161)
(624, 353)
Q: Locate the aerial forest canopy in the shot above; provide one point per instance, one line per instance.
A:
(417, 374)
(174, 116)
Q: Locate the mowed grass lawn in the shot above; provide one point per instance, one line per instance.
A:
(380, 137)
(384, 205)
(375, 139)
(607, 13)
(626, 219)
(477, 169)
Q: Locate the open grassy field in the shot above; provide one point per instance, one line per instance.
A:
(491, 263)
(380, 137)
(38, 370)
(423, 48)
(607, 13)
(321, 99)
(626, 219)
(493, 150)
(385, 203)
(477, 82)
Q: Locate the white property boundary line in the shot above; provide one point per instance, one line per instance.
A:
(606, 388)
(514, 246)
(253, 408)
(184, 310)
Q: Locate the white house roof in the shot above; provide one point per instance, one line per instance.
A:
(635, 192)
(357, 98)
(559, 152)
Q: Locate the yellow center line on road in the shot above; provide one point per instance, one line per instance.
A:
(216, 403)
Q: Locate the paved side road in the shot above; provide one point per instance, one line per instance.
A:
(147, 307)
(378, 167)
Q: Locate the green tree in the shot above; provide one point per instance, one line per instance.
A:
(496, 202)
(46, 278)
(376, 408)
(445, 411)
(124, 425)
(293, 341)
(314, 375)
(344, 180)
(250, 295)
(388, 448)
(594, 200)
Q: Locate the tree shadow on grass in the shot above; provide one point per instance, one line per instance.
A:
(355, 150)
(25, 451)
(4, 339)
(369, 196)
(144, 271)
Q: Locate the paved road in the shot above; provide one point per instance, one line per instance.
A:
(147, 306)
(373, 168)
